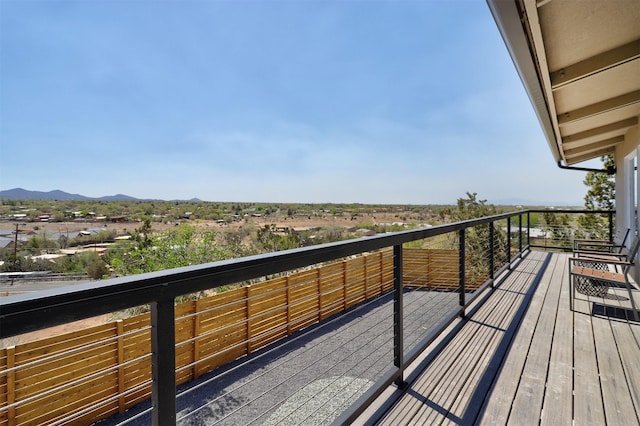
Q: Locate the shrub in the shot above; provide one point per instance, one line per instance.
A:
(97, 270)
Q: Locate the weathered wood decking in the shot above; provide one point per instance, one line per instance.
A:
(525, 358)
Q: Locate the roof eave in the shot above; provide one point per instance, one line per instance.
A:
(509, 23)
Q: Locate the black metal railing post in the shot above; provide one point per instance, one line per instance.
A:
(491, 253)
(520, 235)
(509, 242)
(462, 270)
(611, 225)
(163, 362)
(398, 328)
(528, 228)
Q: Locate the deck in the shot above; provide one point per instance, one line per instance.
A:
(525, 358)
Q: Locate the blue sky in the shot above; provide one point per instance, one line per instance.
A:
(399, 102)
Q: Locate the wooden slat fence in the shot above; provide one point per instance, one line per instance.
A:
(100, 371)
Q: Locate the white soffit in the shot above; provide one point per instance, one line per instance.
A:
(587, 56)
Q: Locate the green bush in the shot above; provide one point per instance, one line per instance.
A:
(97, 270)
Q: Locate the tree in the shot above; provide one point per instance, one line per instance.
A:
(142, 235)
(183, 245)
(36, 244)
(559, 226)
(601, 195)
(269, 239)
(98, 269)
(477, 242)
(602, 187)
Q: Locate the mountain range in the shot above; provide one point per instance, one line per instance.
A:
(24, 194)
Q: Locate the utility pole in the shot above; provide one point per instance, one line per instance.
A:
(15, 248)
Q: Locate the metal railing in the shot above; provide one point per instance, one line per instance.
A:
(497, 250)
(556, 229)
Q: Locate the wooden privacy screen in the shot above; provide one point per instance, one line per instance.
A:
(100, 371)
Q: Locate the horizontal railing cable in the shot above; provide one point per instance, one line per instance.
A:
(358, 361)
(244, 342)
(102, 402)
(309, 349)
(257, 337)
(414, 321)
(136, 416)
(72, 383)
(292, 339)
(68, 352)
(382, 333)
(355, 393)
(340, 361)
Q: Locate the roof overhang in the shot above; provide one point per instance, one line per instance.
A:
(580, 64)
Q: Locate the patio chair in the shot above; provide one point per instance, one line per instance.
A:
(617, 245)
(594, 277)
(602, 250)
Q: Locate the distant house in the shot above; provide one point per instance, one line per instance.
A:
(8, 242)
(5, 242)
(49, 257)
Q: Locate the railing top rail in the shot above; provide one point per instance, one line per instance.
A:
(66, 304)
(575, 211)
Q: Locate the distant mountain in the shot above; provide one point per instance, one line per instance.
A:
(118, 197)
(24, 194)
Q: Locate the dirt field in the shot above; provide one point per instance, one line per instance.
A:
(280, 221)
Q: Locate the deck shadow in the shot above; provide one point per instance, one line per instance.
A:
(484, 388)
(616, 312)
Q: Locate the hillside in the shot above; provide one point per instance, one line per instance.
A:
(57, 195)
(24, 194)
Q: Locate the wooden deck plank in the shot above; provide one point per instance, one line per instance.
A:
(492, 321)
(497, 408)
(530, 393)
(438, 375)
(487, 330)
(432, 396)
(558, 399)
(448, 389)
(421, 390)
(628, 350)
(417, 394)
(587, 396)
(466, 406)
(561, 367)
(615, 393)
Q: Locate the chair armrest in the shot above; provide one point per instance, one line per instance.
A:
(592, 241)
(605, 247)
(594, 260)
(597, 253)
(597, 243)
